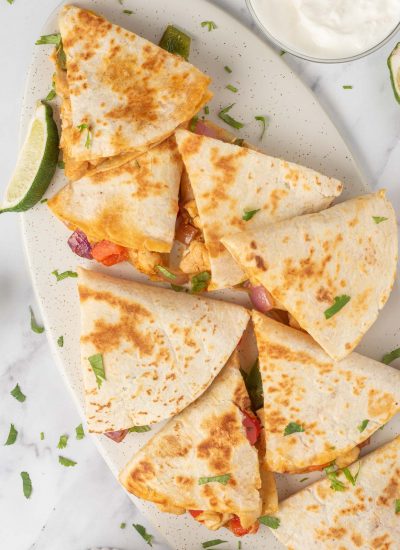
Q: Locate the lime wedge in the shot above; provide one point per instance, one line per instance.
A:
(36, 163)
(394, 68)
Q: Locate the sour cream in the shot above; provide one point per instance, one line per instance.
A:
(328, 29)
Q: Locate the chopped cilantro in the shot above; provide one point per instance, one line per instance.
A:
(231, 88)
(206, 110)
(391, 356)
(51, 95)
(66, 461)
(88, 142)
(193, 123)
(248, 214)
(34, 326)
(282, 53)
(361, 427)
(143, 533)
(60, 341)
(303, 479)
(227, 69)
(397, 506)
(210, 543)
(41, 436)
(43, 201)
(379, 219)
(63, 441)
(79, 433)
(26, 484)
(209, 24)
(349, 475)
(223, 115)
(270, 521)
(128, 12)
(96, 362)
(166, 272)
(123, 525)
(49, 39)
(139, 429)
(263, 120)
(332, 474)
(292, 428)
(224, 478)
(200, 281)
(17, 393)
(347, 87)
(64, 274)
(12, 435)
(338, 304)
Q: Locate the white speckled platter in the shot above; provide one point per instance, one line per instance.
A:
(299, 130)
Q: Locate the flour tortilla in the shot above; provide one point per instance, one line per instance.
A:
(328, 399)
(131, 93)
(161, 349)
(362, 517)
(206, 439)
(134, 205)
(308, 261)
(228, 179)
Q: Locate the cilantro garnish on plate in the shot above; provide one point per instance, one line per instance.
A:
(224, 478)
(143, 533)
(96, 362)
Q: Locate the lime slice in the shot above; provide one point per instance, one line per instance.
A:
(394, 68)
(36, 163)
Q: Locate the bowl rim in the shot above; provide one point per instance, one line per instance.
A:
(286, 49)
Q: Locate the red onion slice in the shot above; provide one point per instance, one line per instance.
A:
(204, 130)
(261, 298)
(80, 245)
(117, 436)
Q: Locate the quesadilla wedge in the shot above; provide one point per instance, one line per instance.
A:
(202, 460)
(236, 189)
(317, 410)
(156, 350)
(121, 94)
(333, 271)
(134, 205)
(362, 516)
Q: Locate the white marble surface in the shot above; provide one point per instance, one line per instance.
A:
(82, 507)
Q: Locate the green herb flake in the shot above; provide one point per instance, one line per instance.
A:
(206, 110)
(139, 429)
(96, 362)
(166, 272)
(26, 484)
(122, 525)
(79, 433)
(228, 69)
(17, 393)
(347, 87)
(143, 533)
(224, 478)
(178, 288)
(64, 274)
(88, 142)
(239, 545)
(12, 435)
(200, 281)
(331, 474)
(193, 123)
(41, 436)
(232, 88)
(379, 219)
(248, 214)
(338, 304)
(361, 427)
(63, 441)
(303, 479)
(293, 428)
(391, 356)
(211, 543)
(223, 115)
(49, 39)
(67, 462)
(254, 386)
(270, 521)
(10, 2)
(264, 121)
(209, 24)
(51, 95)
(397, 506)
(43, 201)
(60, 341)
(349, 475)
(282, 53)
(128, 12)
(34, 326)
(61, 164)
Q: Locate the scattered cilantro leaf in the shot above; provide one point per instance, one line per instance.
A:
(206, 110)
(361, 427)
(17, 393)
(270, 521)
(379, 219)
(248, 214)
(123, 525)
(209, 24)
(349, 475)
(66, 461)
(263, 120)
(34, 326)
(292, 428)
(193, 123)
(64, 274)
(227, 69)
(88, 142)
(231, 88)
(397, 506)
(96, 362)
(60, 341)
(239, 545)
(282, 53)
(338, 304)
(303, 479)
(143, 533)
(331, 474)
(49, 39)
(43, 201)
(347, 87)
(128, 12)
(41, 436)
(79, 433)
(26, 484)
(200, 281)
(139, 429)
(224, 478)
(10, 2)
(12, 435)
(210, 543)
(223, 115)
(166, 272)
(63, 441)
(51, 95)
(391, 356)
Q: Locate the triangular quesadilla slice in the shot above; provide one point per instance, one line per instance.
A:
(134, 205)
(202, 460)
(122, 93)
(148, 352)
(236, 189)
(317, 410)
(363, 514)
(333, 271)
